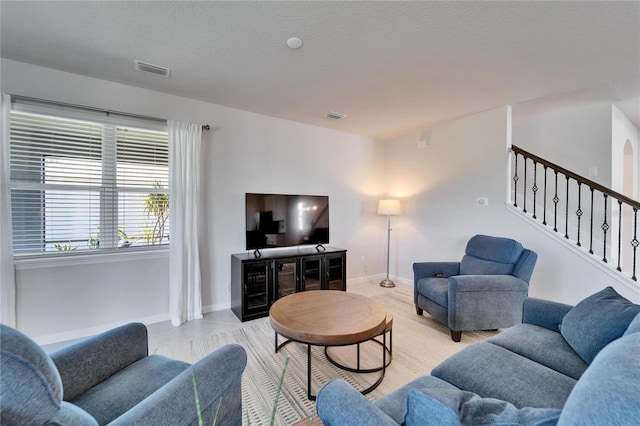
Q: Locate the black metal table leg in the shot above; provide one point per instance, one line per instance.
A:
(382, 369)
(311, 397)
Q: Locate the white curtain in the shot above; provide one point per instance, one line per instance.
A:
(185, 140)
(7, 270)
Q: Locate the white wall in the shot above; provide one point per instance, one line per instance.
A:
(573, 131)
(245, 152)
(622, 130)
(440, 185)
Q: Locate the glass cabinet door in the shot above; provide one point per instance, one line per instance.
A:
(286, 277)
(335, 272)
(311, 273)
(256, 287)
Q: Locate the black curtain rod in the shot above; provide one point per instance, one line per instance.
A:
(106, 111)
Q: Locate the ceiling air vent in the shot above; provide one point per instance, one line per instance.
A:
(334, 115)
(152, 69)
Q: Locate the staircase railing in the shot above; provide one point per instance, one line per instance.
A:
(567, 199)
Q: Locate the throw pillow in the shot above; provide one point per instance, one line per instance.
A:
(457, 407)
(634, 327)
(597, 321)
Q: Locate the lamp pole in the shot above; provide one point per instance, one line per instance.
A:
(388, 208)
(387, 282)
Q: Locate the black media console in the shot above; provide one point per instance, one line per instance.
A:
(257, 282)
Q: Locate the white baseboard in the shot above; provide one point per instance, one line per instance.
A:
(216, 307)
(402, 283)
(92, 331)
(366, 279)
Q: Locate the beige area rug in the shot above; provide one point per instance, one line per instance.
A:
(419, 344)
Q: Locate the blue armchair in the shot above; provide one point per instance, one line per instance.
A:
(111, 379)
(484, 291)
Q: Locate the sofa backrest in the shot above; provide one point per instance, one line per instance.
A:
(487, 255)
(106, 353)
(31, 389)
(30, 386)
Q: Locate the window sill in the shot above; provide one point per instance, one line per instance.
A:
(37, 262)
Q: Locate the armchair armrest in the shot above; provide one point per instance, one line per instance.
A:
(89, 362)
(544, 313)
(485, 302)
(218, 378)
(485, 283)
(339, 404)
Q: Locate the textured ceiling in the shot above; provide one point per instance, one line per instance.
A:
(391, 67)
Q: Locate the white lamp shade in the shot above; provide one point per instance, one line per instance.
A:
(389, 207)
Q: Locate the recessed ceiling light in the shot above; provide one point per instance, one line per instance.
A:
(335, 115)
(294, 43)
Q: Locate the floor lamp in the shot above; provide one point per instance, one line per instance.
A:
(388, 208)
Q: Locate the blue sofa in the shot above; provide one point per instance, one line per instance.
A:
(111, 379)
(562, 365)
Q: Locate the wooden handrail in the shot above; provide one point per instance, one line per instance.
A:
(623, 243)
(577, 177)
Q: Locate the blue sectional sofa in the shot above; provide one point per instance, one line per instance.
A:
(562, 365)
(111, 379)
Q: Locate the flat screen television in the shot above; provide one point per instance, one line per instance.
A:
(279, 220)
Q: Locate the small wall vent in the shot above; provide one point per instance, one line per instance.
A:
(335, 115)
(152, 69)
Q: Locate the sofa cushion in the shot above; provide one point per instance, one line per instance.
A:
(128, 387)
(338, 403)
(394, 404)
(607, 393)
(492, 371)
(71, 415)
(543, 346)
(634, 327)
(421, 406)
(454, 407)
(596, 321)
(435, 289)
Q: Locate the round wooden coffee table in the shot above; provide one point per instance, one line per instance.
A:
(329, 318)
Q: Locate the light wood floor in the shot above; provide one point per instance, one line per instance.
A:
(175, 342)
(419, 344)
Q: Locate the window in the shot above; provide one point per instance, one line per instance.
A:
(87, 182)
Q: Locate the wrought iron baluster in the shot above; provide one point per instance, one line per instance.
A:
(524, 188)
(566, 213)
(579, 212)
(515, 182)
(591, 228)
(619, 234)
(624, 229)
(555, 207)
(544, 204)
(535, 186)
(635, 242)
(605, 228)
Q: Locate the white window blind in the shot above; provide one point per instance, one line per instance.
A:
(87, 185)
